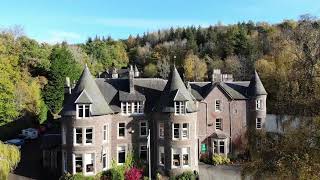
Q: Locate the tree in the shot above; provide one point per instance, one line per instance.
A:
(9, 159)
(63, 65)
(194, 67)
(150, 70)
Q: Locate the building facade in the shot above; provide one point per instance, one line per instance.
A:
(107, 118)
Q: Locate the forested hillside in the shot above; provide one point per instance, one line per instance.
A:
(286, 55)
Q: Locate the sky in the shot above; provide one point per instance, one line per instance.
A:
(76, 20)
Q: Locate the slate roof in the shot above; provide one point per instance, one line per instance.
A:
(235, 90)
(106, 94)
(256, 87)
(87, 87)
(175, 88)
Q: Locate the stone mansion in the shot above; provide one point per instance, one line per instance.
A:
(106, 118)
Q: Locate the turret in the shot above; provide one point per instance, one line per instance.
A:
(257, 102)
(175, 121)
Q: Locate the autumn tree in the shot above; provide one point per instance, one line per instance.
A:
(9, 159)
(195, 68)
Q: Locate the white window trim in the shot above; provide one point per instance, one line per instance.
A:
(75, 136)
(105, 132)
(182, 111)
(74, 163)
(215, 105)
(188, 130)
(161, 137)
(259, 104)
(104, 151)
(145, 127)
(84, 138)
(181, 152)
(84, 164)
(125, 132)
(83, 113)
(257, 123)
(181, 131)
(159, 155)
(125, 104)
(221, 124)
(218, 146)
(125, 150)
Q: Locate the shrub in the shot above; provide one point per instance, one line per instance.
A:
(187, 175)
(205, 158)
(76, 177)
(219, 159)
(133, 174)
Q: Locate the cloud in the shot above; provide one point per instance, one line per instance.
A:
(60, 36)
(140, 23)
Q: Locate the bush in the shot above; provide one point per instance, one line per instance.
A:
(133, 174)
(219, 159)
(188, 175)
(77, 177)
(205, 158)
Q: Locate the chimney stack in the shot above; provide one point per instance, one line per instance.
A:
(67, 86)
(131, 78)
(216, 75)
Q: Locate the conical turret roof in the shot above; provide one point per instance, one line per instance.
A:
(175, 90)
(256, 87)
(88, 92)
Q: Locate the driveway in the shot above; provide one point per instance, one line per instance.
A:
(210, 172)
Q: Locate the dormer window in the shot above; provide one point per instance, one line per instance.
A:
(180, 107)
(135, 107)
(83, 110)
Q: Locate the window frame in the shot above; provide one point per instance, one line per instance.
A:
(105, 133)
(118, 130)
(220, 124)
(122, 150)
(146, 128)
(183, 129)
(104, 157)
(146, 151)
(74, 160)
(219, 105)
(85, 137)
(93, 162)
(64, 161)
(161, 129)
(132, 108)
(258, 123)
(181, 152)
(173, 130)
(75, 136)
(217, 146)
(259, 104)
(161, 151)
(180, 107)
(84, 107)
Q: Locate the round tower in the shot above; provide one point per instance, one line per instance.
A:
(85, 124)
(175, 127)
(257, 105)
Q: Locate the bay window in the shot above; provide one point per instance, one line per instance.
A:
(220, 146)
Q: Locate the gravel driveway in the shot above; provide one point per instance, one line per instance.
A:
(210, 172)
